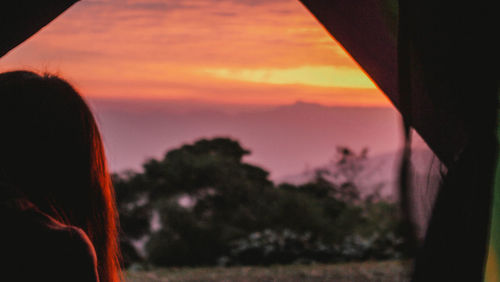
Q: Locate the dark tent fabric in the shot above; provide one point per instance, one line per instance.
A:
(20, 19)
(368, 31)
(438, 63)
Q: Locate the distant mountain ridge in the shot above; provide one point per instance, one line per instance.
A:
(283, 139)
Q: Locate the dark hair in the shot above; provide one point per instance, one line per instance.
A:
(52, 153)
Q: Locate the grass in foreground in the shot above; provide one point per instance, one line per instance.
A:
(386, 271)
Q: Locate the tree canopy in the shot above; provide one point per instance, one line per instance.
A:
(203, 205)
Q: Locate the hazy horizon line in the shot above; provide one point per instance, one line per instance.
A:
(242, 104)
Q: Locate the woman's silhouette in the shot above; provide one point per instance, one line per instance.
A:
(56, 199)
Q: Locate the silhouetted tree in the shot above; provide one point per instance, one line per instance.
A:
(208, 201)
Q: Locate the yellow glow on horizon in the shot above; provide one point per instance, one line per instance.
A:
(323, 76)
(222, 51)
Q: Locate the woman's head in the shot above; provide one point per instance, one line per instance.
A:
(51, 152)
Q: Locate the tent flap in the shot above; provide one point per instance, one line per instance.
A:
(20, 19)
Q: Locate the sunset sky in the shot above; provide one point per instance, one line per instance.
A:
(219, 51)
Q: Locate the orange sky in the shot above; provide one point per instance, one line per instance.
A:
(225, 51)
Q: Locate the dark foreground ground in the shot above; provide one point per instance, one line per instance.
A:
(386, 271)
